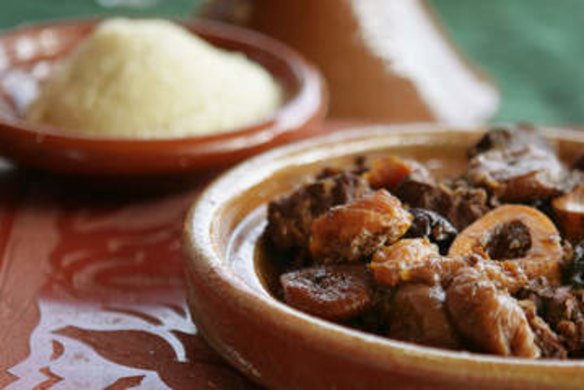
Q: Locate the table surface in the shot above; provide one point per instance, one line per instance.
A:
(91, 291)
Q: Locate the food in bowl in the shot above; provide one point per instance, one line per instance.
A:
(489, 261)
(153, 79)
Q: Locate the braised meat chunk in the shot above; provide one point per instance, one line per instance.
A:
(562, 308)
(431, 269)
(467, 203)
(509, 137)
(565, 314)
(489, 318)
(458, 202)
(516, 165)
(418, 315)
(518, 175)
(407, 260)
(290, 217)
(546, 339)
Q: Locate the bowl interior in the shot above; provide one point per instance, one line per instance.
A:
(224, 232)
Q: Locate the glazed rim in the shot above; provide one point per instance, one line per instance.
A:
(207, 257)
(300, 104)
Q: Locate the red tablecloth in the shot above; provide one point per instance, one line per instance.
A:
(91, 290)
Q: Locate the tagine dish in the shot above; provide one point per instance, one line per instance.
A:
(424, 256)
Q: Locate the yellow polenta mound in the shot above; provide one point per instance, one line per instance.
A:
(153, 79)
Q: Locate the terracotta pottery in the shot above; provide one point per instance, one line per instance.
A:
(281, 347)
(383, 59)
(27, 56)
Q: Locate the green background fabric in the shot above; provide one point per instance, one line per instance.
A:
(531, 48)
(17, 12)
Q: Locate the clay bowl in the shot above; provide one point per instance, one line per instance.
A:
(28, 55)
(281, 347)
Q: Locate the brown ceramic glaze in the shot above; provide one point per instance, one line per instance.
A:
(27, 56)
(283, 348)
(383, 59)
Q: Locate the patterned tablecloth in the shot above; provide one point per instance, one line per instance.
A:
(91, 290)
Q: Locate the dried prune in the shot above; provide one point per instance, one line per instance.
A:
(433, 226)
(333, 292)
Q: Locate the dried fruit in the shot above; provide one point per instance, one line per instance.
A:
(569, 212)
(391, 265)
(354, 231)
(388, 172)
(540, 256)
(333, 292)
(433, 226)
